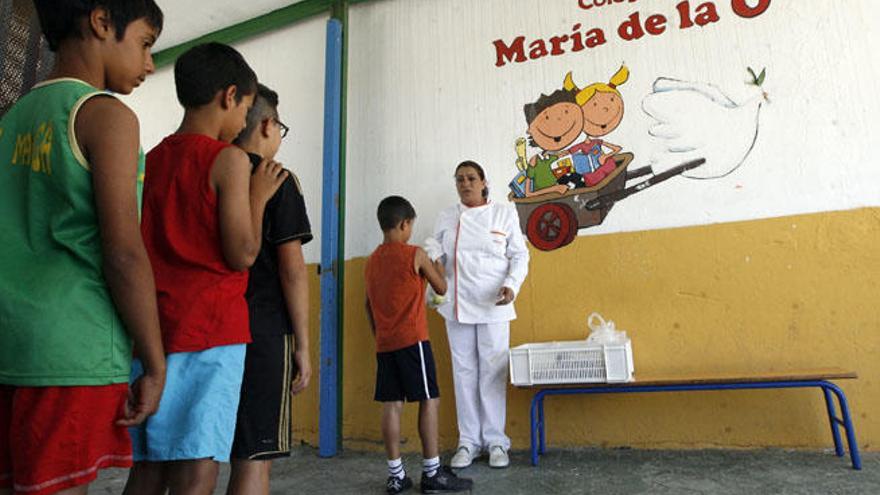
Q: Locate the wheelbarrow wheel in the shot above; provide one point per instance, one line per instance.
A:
(551, 226)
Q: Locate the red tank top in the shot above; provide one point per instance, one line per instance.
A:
(201, 300)
(397, 297)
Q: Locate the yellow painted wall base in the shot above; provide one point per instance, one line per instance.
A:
(785, 293)
(305, 404)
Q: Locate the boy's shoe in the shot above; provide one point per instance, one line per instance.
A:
(445, 481)
(396, 485)
(463, 457)
(498, 457)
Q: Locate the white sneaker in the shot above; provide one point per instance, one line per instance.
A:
(463, 457)
(498, 457)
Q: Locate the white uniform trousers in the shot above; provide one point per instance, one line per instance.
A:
(479, 371)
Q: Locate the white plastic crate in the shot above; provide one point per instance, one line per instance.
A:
(571, 362)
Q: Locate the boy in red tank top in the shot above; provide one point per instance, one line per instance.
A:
(202, 225)
(395, 280)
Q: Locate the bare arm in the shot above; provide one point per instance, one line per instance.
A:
(241, 202)
(432, 271)
(108, 132)
(555, 188)
(295, 286)
(370, 315)
(614, 148)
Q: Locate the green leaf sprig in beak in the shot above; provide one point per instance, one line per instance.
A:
(758, 80)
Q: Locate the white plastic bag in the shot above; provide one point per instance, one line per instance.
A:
(434, 300)
(603, 332)
(435, 251)
(433, 248)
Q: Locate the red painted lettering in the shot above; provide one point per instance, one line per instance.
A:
(512, 53)
(577, 41)
(742, 9)
(595, 37)
(655, 24)
(537, 49)
(706, 14)
(556, 44)
(631, 29)
(684, 12)
(589, 4)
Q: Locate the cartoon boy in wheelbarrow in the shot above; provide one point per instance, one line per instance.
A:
(555, 121)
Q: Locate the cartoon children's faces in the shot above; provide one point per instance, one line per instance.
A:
(601, 102)
(129, 60)
(557, 126)
(602, 113)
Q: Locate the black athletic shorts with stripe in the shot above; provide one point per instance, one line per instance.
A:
(406, 374)
(262, 428)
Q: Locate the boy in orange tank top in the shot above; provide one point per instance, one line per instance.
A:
(395, 280)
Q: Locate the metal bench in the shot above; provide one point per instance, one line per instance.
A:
(772, 380)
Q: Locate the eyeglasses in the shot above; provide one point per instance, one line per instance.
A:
(284, 128)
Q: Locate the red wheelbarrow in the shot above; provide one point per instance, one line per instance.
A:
(552, 220)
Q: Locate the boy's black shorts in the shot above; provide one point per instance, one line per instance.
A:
(407, 373)
(262, 429)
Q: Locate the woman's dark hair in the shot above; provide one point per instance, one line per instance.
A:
(205, 69)
(476, 166)
(62, 20)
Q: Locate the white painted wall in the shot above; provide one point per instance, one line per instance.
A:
(290, 61)
(187, 20)
(424, 94)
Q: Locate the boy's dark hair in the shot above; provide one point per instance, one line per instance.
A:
(205, 69)
(393, 210)
(476, 166)
(265, 107)
(546, 101)
(62, 20)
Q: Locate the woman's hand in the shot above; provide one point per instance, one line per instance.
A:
(505, 296)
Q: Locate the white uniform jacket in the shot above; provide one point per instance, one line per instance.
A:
(483, 250)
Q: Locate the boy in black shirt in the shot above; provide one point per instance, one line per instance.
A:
(277, 295)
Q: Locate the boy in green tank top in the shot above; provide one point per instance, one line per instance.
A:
(76, 287)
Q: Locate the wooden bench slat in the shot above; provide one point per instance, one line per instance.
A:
(691, 379)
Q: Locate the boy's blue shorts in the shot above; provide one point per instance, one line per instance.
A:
(196, 416)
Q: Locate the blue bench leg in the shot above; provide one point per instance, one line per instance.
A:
(832, 418)
(533, 427)
(542, 425)
(847, 425)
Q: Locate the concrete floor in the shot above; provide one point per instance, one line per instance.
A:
(594, 471)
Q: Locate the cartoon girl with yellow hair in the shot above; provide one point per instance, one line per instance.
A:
(602, 106)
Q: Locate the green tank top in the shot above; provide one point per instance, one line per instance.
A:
(58, 324)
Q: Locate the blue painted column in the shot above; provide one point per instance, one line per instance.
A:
(331, 298)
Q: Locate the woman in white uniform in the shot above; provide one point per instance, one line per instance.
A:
(486, 262)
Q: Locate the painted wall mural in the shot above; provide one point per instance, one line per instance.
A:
(696, 120)
(636, 26)
(676, 75)
(575, 176)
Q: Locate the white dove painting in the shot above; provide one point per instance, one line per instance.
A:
(696, 120)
